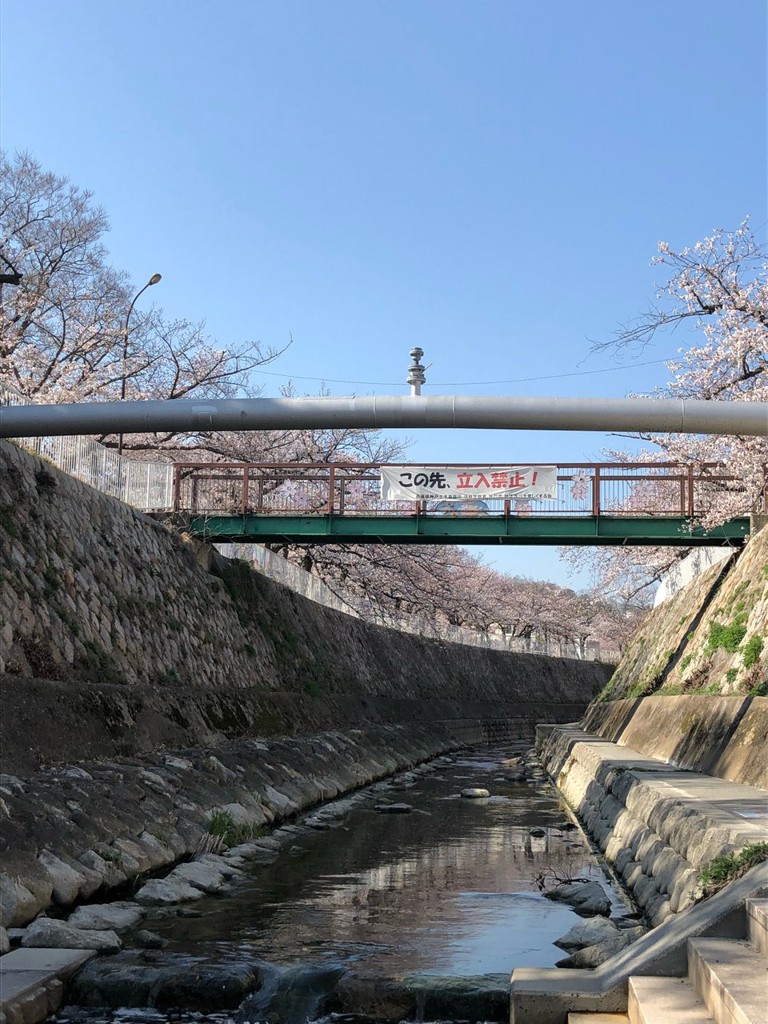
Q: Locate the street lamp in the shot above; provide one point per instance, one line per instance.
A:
(153, 280)
(8, 273)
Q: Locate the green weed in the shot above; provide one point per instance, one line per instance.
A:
(729, 866)
(727, 637)
(670, 690)
(752, 651)
(223, 826)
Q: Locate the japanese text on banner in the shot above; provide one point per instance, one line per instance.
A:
(422, 483)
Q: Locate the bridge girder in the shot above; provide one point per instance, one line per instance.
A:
(659, 531)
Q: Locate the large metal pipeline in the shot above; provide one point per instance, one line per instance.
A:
(410, 411)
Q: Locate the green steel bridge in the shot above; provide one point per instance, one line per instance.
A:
(313, 503)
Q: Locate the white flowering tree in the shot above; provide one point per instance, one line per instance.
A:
(65, 334)
(719, 288)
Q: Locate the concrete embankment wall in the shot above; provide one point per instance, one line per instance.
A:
(722, 736)
(664, 780)
(657, 826)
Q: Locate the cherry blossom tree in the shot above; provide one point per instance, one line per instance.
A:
(721, 287)
(331, 444)
(64, 335)
(625, 574)
(442, 582)
(451, 586)
(717, 291)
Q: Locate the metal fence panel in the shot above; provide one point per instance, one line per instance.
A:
(145, 485)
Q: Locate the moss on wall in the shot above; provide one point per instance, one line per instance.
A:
(710, 638)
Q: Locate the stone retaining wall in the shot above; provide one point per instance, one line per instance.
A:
(110, 621)
(68, 832)
(119, 640)
(710, 638)
(657, 826)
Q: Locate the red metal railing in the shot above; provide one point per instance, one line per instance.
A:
(583, 489)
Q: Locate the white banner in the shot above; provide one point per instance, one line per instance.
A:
(436, 483)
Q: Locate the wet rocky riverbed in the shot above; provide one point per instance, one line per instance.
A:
(414, 897)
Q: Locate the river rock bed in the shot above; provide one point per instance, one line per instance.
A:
(72, 833)
(173, 960)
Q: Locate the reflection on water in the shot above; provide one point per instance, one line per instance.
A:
(447, 889)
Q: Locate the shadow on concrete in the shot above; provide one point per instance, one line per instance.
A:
(702, 747)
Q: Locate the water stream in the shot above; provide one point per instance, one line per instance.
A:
(448, 889)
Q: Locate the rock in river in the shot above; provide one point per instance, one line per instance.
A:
(586, 898)
(600, 952)
(46, 933)
(587, 933)
(117, 917)
(168, 890)
(176, 982)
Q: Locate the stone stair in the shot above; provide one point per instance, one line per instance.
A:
(597, 1018)
(727, 983)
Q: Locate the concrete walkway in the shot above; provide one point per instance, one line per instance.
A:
(731, 802)
(32, 982)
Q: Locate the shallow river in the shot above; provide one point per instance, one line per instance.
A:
(449, 888)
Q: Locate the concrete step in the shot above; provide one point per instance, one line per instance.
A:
(732, 979)
(579, 1017)
(757, 920)
(665, 1001)
(31, 981)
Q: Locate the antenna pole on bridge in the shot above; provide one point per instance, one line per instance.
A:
(416, 371)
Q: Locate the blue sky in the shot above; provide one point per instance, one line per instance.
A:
(487, 180)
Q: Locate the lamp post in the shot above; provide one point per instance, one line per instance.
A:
(8, 273)
(153, 280)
